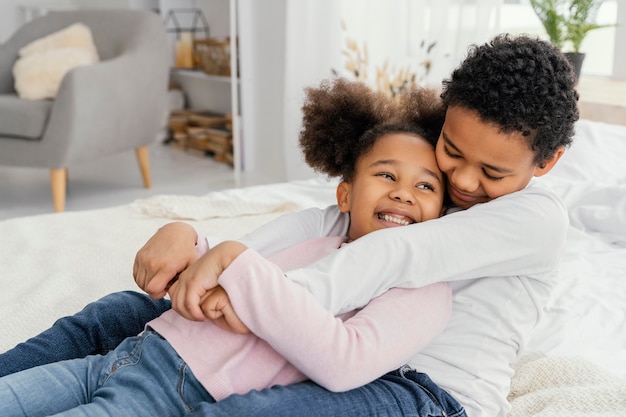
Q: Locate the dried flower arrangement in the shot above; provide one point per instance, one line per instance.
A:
(392, 80)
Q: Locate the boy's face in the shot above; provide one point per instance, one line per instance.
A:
(396, 183)
(481, 162)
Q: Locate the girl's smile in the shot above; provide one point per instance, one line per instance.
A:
(395, 219)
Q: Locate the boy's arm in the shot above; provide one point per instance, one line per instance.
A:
(291, 229)
(167, 253)
(518, 234)
(337, 355)
(174, 247)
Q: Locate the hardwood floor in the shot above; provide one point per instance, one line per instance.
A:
(113, 181)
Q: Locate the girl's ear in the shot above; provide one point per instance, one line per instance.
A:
(550, 163)
(343, 197)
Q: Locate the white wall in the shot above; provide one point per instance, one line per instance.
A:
(619, 52)
(262, 64)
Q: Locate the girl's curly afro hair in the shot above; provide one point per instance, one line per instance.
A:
(342, 120)
(520, 84)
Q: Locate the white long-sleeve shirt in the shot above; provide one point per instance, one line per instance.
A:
(500, 258)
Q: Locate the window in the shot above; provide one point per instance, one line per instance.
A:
(599, 45)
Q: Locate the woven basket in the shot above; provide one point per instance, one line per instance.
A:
(213, 55)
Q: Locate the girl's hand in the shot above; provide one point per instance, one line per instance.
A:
(216, 306)
(167, 253)
(188, 292)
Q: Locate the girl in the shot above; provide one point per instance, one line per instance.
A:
(389, 179)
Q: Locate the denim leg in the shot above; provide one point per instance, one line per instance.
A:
(98, 328)
(400, 393)
(142, 377)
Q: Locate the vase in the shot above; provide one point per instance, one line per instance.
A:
(576, 59)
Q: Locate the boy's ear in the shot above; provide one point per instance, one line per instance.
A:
(550, 163)
(343, 197)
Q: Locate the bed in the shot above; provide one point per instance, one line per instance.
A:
(575, 364)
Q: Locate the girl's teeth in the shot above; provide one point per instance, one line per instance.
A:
(393, 219)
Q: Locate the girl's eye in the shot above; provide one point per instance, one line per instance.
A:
(491, 177)
(450, 154)
(425, 186)
(386, 175)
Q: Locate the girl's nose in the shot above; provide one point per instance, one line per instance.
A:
(403, 194)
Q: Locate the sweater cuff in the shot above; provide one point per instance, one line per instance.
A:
(202, 245)
(240, 267)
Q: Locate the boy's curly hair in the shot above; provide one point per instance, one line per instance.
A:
(520, 84)
(342, 120)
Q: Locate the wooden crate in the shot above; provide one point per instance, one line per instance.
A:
(206, 132)
(212, 55)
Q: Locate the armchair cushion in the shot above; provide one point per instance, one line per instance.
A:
(39, 75)
(44, 62)
(76, 35)
(23, 118)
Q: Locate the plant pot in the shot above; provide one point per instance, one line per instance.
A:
(576, 59)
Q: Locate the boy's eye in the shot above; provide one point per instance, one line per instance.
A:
(450, 154)
(491, 177)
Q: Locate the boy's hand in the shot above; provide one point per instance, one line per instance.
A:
(168, 252)
(216, 306)
(188, 292)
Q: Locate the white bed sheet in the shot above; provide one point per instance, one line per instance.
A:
(52, 265)
(587, 315)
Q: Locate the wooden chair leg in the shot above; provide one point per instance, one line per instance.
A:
(143, 159)
(58, 184)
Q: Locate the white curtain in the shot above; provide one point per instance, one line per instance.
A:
(398, 32)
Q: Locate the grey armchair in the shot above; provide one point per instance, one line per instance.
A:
(115, 105)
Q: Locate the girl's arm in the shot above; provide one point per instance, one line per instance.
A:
(337, 355)
(518, 234)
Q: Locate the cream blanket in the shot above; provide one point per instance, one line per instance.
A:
(564, 386)
(53, 265)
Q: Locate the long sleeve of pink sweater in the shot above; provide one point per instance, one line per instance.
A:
(337, 354)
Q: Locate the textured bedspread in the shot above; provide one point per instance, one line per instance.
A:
(557, 386)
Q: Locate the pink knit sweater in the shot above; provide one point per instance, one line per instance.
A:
(339, 353)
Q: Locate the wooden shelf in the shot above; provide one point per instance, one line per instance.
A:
(198, 73)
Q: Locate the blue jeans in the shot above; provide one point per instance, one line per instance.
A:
(143, 376)
(404, 392)
(104, 324)
(97, 329)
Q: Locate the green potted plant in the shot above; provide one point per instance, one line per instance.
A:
(567, 23)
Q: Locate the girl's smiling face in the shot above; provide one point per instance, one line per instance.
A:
(395, 184)
(481, 162)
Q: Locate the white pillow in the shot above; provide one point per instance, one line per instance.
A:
(44, 62)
